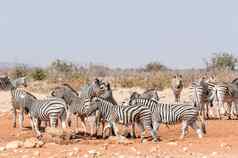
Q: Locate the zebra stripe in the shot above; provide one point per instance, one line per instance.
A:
(43, 110)
(171, 114)
(126, 115)
(75, 104)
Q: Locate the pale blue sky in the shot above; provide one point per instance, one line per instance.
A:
(122, 33)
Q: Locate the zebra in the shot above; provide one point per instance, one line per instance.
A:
(6, 84)
(202, 95)
(75, 103)
(94, 89)
(177, 87)
(126, 115)
(107, 95)
(42, 110)
(148, 94)
(226, 93)
(172, 114)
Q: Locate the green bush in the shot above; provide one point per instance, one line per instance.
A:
(155, 66)
(38, 74)
(223, 61)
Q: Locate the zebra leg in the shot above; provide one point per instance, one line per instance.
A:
(153, 133)
(21, 117)
(196, 128)
(14, 114)
(156, 127)
(68, 118)
(36, 128)
(142, 132)
(207, 111)
(133, 132)
(63, 119)
(184, 128)
(82, 118)
(235, 109)
(219, 109)
(229, 104)
(53, 120)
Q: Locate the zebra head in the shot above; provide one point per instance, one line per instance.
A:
(132, 98)
(22, 81)
(5, 83)
(177, 82)
(65, 92)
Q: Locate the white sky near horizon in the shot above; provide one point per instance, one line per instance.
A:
(125, 33)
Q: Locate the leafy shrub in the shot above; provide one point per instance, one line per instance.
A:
(223, 61)
(38, 74)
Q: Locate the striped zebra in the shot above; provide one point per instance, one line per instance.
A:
(92, 90)
(4, 83)
(7, 84)
(202, 95)
(148, 94)
(172, 114)
(125, 115)
(177, 87)
(226, 93)
(107, 95)
(75, 103)
(50, 109)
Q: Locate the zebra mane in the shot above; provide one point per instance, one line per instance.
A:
(71, 88)
(28, 93)
(150, 90)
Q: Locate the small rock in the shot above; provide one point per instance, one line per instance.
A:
(36, 153)
(30, 143)
(40, 144)
(133, 148)
(92, 151)
(76, 149)
(121, 156)
(14, 145)
(119, 140)
(105, 146)
(214, 153)
(24, 156)
(55, 132)
(70, 154)
(185, 149)
(2, 148)
(173, 143)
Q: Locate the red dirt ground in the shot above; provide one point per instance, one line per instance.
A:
(221, 141)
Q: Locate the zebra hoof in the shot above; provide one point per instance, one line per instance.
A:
(39, 136)
(143, 141)
(155, 141)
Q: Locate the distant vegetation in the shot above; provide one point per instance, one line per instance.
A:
(152, 75)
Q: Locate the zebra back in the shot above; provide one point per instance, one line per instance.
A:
(168, 113)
